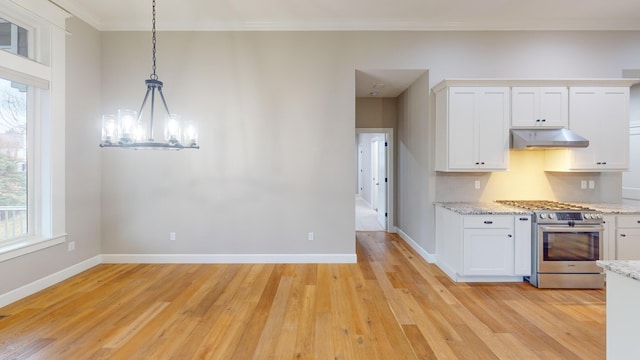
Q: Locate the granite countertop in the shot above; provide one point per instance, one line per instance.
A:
(628, 268)
(614, 209)
(482, 208)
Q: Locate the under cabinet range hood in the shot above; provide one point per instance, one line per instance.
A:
(546, 139)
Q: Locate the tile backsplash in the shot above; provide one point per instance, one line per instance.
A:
(526, 179)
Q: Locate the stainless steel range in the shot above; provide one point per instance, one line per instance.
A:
(566, 242)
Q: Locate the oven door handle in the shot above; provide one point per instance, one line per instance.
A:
(564, 228)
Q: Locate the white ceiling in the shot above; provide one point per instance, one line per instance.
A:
(384, 83)
(359, 14)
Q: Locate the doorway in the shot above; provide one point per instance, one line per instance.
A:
(374, 198)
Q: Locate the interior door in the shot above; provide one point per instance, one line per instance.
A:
(374, 174)
(382, 181)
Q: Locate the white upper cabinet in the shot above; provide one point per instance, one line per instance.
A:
(601, 115)
(472, 129)
(539, 107)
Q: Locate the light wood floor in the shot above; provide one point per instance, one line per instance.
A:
(391, 305)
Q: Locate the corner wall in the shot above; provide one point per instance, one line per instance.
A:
(416, 178)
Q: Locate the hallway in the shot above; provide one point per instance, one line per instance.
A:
(366, 217)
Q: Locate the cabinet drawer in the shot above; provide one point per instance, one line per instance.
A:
(488, 222)
(628, 221)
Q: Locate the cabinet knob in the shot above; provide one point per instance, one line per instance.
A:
(527, 219)
(638, 221)
(488, 222)
(604, 163)
(510, 235)
(538, 120)
(598, 163)
(623, 235)
(482, 163)
(544, 120)
(477, 163)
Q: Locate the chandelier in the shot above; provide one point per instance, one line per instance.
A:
(127, 129)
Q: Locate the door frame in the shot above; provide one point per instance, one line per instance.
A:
(391, 227)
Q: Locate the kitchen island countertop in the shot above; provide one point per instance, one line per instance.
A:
(482, 208)
(627, 268)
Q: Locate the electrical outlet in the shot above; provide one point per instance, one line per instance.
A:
(172, 236)
(71, 246)
(477, 184)
(592, 184)
(310, 236)
(583, 184)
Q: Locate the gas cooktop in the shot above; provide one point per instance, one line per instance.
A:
(547, 205)
(554, 212)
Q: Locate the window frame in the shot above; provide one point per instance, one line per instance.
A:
(44, 73)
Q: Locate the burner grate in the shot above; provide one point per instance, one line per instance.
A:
(543, 205)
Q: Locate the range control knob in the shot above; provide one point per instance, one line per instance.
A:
(543, 216)
(588, 216)
(552, 215)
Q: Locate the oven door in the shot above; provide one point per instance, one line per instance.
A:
(567, 249)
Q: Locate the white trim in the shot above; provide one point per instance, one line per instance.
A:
(623, 82)
(24, 246)
(18, 68)
(390, 171)
(494, 279)
(229, 258)
(47, 281)
(42, 9)
(430, 258)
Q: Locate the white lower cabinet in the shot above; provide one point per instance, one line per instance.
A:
(522, 231)
(627, 245)
(488, 251)
(483, 247)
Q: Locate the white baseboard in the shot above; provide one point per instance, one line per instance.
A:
(45, 282)
(229, 258)
(430, 258)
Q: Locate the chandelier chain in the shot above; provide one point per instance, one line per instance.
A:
(154, 76)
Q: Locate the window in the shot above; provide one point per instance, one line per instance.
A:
(13, 160)
(32, 73)
(13, 38)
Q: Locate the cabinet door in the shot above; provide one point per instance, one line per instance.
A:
(522, 245)
(462, 143)
(524, 107)
(539, 106)
(601, 115)
(628, 244)
(477, 129)
(554, 106)
(488, 252)
(493, 129)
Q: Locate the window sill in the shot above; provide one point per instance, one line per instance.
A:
(28, 245)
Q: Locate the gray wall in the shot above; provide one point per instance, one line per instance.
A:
(276, 118)
(376, 112)
(416, 179)
(82, 166)
(276, 112)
